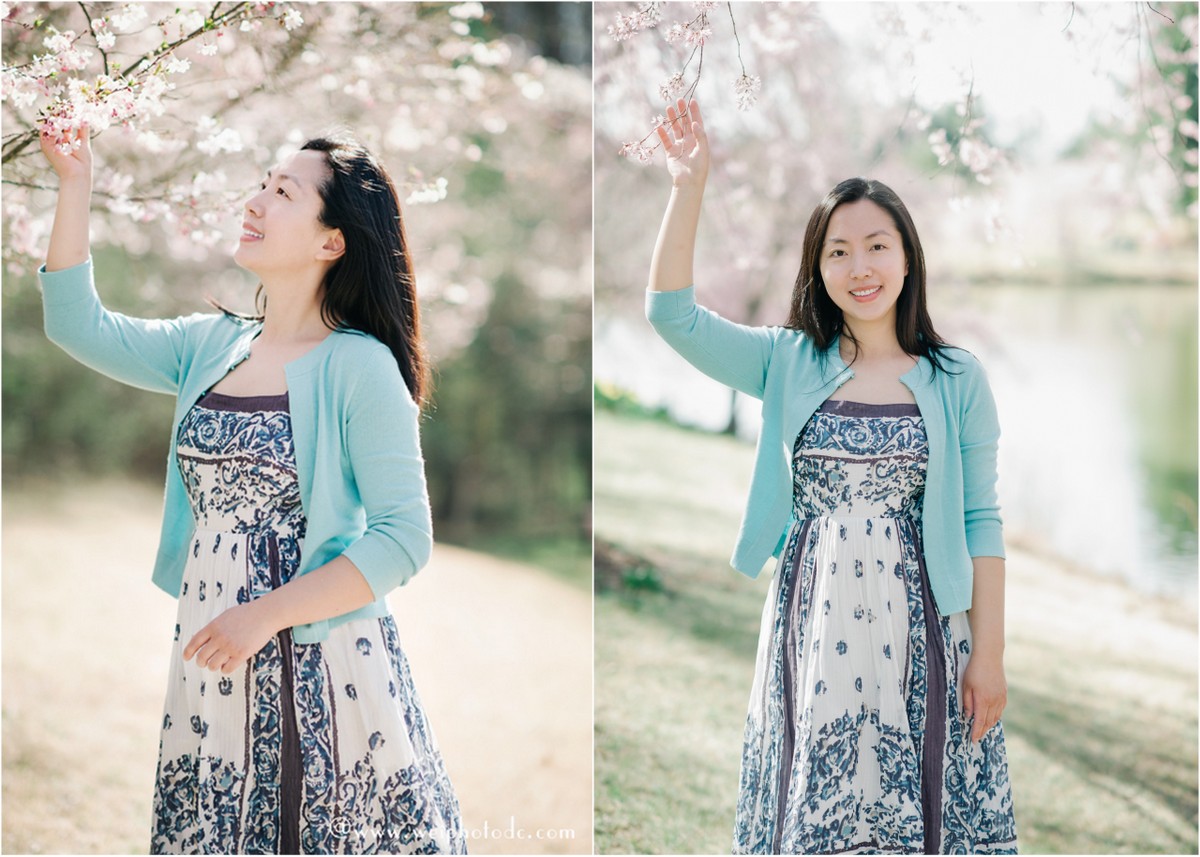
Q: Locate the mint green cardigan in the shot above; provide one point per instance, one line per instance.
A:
(354, 425)
(960, 513)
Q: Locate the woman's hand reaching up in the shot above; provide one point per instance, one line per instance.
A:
(686, 144)
(75, 165)
(70, 236)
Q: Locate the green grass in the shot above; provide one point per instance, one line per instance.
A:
(1101, 724)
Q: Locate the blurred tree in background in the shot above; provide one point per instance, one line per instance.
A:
(1158, 126)
(482, 116)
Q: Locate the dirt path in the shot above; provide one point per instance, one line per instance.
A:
(501, 655)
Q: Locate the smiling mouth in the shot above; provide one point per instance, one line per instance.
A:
(866, 293)
(250, 235)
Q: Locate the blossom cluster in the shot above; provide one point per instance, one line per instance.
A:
(694, 33)
(672, 87)
(638, 151)
(967, 147)
(746, 88)
(646, 16)
(57, 84)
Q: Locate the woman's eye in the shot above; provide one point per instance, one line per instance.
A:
(836, 253)
(879, 247)
(282, 192)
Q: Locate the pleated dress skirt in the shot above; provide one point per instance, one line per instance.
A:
(855, 740)
(318, 748)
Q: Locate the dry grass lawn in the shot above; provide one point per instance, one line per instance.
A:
(501, 654)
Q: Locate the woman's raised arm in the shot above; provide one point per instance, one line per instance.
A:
(146, 353)
(686, 147)
(735, 355)
(70, 238)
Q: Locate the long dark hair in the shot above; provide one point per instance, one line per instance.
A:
(371, 287)
(816, 315)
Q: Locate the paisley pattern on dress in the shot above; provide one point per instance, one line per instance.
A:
(855, 741)
(318, 748)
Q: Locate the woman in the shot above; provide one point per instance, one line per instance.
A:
(295, 502)
(874, 717)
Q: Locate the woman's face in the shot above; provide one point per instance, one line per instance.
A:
(863, 263)
(281, 231)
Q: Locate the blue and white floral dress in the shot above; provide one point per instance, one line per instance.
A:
(317, 748)
(855, 740)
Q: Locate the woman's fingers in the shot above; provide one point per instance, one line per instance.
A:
(993, 715)
(684, 129)
(674, 125)
(216, 657)
(664, 137)
(194, 644)
(697, 124)
(209, 652)
(973, 712)
(986, 712)
(685, 125)
(983, 724)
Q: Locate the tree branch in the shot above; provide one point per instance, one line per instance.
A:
(15, 146)
(210, 23)
(736, 40)
(1142, 86)
(1156, 12)
(100, 193)
(92, 30)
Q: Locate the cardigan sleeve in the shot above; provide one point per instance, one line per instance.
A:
(383, 444)
(734, 354)
(979, 436)
(145, 353)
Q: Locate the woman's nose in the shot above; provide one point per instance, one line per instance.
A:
(859, 268)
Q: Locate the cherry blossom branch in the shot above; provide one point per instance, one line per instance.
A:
(96, 192)
(92, 29)
(737, 41)
(745, 87)
(212, 22)
(60, 115)
(695, 32)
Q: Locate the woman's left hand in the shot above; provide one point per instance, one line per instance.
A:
(232, 638)
(984, 693)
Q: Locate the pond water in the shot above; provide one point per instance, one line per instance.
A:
(1097, 391)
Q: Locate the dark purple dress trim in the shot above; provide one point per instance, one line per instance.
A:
(244, 404)
(936, 714)
(291, 767)
(794, 623)
(863, 409)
